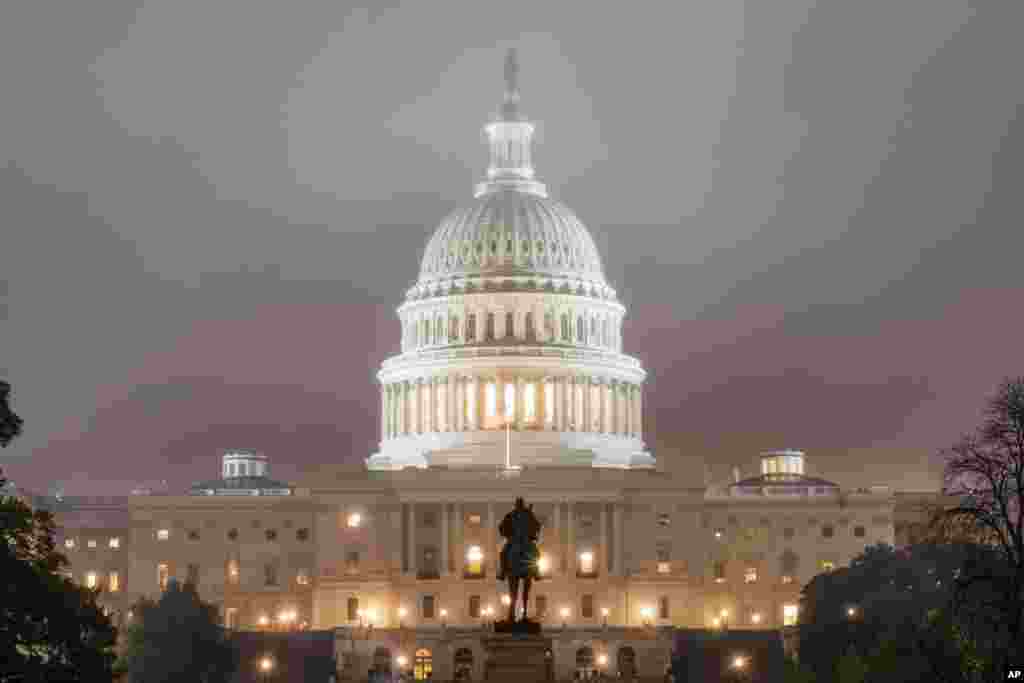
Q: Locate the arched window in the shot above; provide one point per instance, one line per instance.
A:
(489, 334)
(471, 327)
(510, 325)
(463, 664)
(423, 665)
(453, 328)
(531, 334)
(566, 334)
(581, 329)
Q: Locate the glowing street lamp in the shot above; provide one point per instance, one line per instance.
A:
(565, 615)
(756, 617)
(716, 622)
(724, 615)
(444, 617)
(543, 564)
(402, 613)
(739, 662)
(506, 599)
(263, 620)
(602, 660)
(851, 611)
(401, 661)
(604, 615)
(266, 666)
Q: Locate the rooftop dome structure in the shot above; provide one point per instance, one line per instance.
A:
(511, 328)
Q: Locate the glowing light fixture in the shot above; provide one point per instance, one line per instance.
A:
(354, 520)
(402, 661)
(506, 599)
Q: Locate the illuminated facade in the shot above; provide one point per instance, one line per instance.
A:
(511, 354)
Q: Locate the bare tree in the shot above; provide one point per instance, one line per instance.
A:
(984, 472)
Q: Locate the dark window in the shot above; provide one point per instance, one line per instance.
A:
(471, 327)
(474, 607)
(428, 606)
(663, 607)
(270, 574)
(593, 331)
(271, 534)
(353, 609)
(193, 575)
(581, 329)
(664, 519)
(430, 519)
(828, 531)
(549, 325)
(719, 574)
(858, 531)
(510, 324)
(302, 534)
(490, 327)
(566, 334)
(428, 338)
(352, 561)
(788, 532)
(587, 607)
(193, 535)
(439, 330)
(453, 328)
(232, 534)
(531, 333)
(541, 602)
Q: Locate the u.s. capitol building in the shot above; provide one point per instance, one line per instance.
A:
(512, 381)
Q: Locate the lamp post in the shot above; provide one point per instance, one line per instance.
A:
(565, 615)
(604, 616)
(266, 666)
(444, 617)
(402, 612)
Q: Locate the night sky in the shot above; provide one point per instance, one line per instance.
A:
(210, 211)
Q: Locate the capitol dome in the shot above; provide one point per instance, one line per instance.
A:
(511, 326)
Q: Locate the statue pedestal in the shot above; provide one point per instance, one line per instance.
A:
(516, 658)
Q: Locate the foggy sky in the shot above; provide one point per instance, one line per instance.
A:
(210, 211)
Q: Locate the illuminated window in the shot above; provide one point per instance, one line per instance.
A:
(510, 400)
(474, 560)
(664, 568)
(91, 579)
(115, 542)
(549, 402)
(114, 582)
(827, 565)
(491, 399)
(787, 578)
(353, 609)
(789, 614)
(423, 665)
(587, 562)
(302, 577)
(69, 543)
(530, 402)
(474, 519)
(750, 575)
(91, 543)
(163, 534)
(232, 571)
(719, 534)
(162, 574)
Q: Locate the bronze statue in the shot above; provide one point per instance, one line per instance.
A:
(520, 556)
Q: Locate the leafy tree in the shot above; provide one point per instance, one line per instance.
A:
(985, 474)
(178, 638)
(10, 424)
(50, 628)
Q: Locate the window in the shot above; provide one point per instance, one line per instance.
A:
(663, 604)
(423, 665)
(788, 532)
(162, 574)
(91, 543)
(827, 565)
(114, 582)
(664, 520)
(163, 534)
(491, 399)
(302, 577)
(586, 562)
(750, 575)
(663, 551)
(426, 333)
(232, 571)
(193, 574)
(566, 334)
(439, 330)
(114, 542)
(489, 330)
(429, 519)
(541, 606)
(453, 328)
(531, 333)
(719, 534)
(587, 606)
(510, 325)
(789, 614)
(270, 574)
(193, 535)
(91, 579)
(719, 571)
(787, 579)
(474, 520)
(828, 531)
(664, 567)
(271, 534)
(581, 329)
(593, 331)
(302, 534)
(69, 543)
(858, 531)
(471, 327)
(352, 562)
(474, 607)
(233, 534)
(353, 609)
(474, 560)
(428, 606)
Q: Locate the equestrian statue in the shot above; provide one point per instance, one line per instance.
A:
(520, 557)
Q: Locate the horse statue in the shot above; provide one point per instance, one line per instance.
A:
(520, 556)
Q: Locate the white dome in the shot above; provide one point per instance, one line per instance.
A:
(511, 232)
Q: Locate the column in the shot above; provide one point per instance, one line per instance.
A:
(449, 403)
(415, 405)
(627, 428)
(478, 402)
(617, 539)
(519, 411)
(411, 548)
(588, 419)
(631, 408)
(542, 401)
(499, 389)
(400, 407)
(460, 550)
(573, 400)
(604, 561)
(557, 548)
(564, 417)
(570, 539)
(639, 411)
(383, 412)
(602, 408)
(490, 541)
(445, 560)
(430, 405)
(614, 392)
(460, 403)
